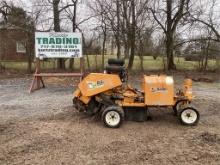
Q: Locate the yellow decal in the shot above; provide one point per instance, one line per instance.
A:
(94, 85)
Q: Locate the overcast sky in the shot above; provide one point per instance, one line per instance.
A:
(83, 13)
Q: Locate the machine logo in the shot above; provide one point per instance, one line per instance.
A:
(94, 85)
(159, 89)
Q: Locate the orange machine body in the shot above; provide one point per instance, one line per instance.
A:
(96, 83)
(110, 95)
(187, 89)
(158, 90)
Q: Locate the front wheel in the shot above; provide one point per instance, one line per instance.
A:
(189, 116)
(113, 116)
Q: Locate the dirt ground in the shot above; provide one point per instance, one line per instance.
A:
(43, 128)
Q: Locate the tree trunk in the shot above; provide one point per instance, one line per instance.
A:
(56, 15)
(118, 44)
(141, 51)
(126, 45)
(132, 34)
(88, 64)
(29, 60)
(164, 62)
(56, 19)
(126, 29)
(206, 56)
(103, 47)
(118, 30)
(126, 50)
(71, 63)
(202, 60)
(96, 63)
(61, 64)
(112, 46)
(29, 47)
(169, 51)
(141, 61)
(169, 37)
(85, 51)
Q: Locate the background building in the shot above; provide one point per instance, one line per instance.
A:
(12, 43)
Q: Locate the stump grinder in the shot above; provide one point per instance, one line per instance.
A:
(109, 95)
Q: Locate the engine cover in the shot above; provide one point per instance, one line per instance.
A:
(96, 83)
(158, 90)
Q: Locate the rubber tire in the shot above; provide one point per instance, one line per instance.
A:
(117, 109)
(175, 110)
(114, 68)
(119, 62)
(92, 107)
(187, 124)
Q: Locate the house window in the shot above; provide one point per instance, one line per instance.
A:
(20, 47)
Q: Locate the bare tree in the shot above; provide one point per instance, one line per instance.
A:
(207, 19)
(102, 26)
(122, 19)
(168, 15)
(58, 7)
(71, 14)
(117, 34)
(132, 34)
(108, 16)
(104, 32)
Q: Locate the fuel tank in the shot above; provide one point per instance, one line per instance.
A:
(158, 90)
(96, 83)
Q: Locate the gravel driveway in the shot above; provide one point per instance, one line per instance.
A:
(43, 128)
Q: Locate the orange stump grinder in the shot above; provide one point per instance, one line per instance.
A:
(109, 94)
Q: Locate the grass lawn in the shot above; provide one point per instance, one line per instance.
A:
(96, 63)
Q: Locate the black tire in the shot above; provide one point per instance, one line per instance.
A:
(175, 112)
(114, 68)
(92, 107)
(118, 114)
(119, 62)
(191, 111)
(175, 107)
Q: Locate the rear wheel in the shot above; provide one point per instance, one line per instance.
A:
(92, 107)
(178, 106)
(113, 116)
(189, 116)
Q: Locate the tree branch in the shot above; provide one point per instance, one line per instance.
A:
(157, 20)
(65, 7)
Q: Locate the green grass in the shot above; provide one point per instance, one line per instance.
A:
(149, 63)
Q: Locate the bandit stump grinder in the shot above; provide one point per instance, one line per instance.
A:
(109, 95)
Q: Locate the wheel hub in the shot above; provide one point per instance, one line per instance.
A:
(112, 118)
(189, 116)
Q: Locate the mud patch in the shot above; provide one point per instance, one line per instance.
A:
(203, 79)
(3, 128)
(6, 127)
(210, 138)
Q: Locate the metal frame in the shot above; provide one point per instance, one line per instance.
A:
(38, 83)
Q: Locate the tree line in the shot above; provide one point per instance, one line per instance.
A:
(134, 27)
